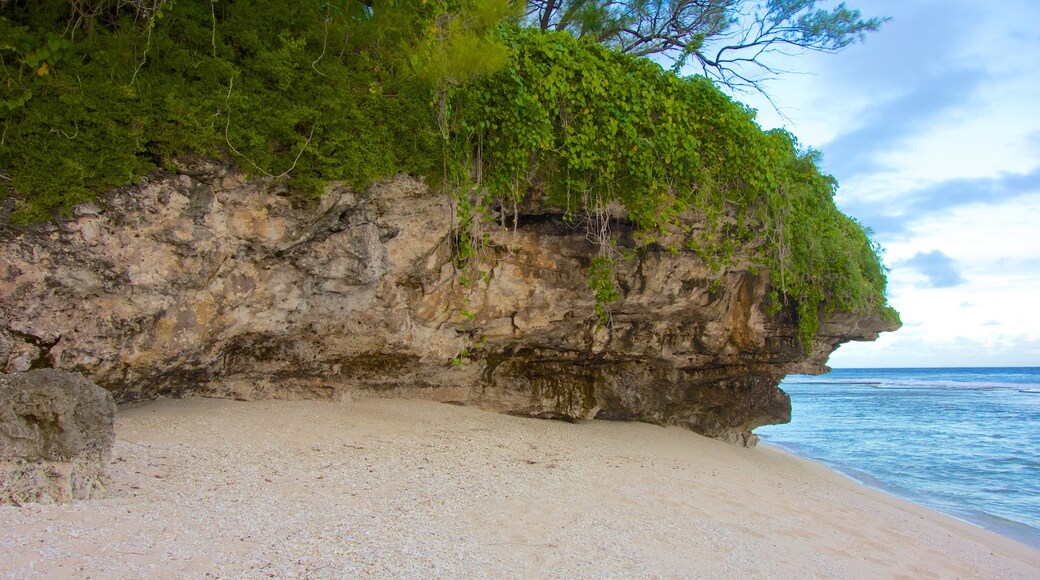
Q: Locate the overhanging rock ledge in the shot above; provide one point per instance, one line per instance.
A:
(205, 282)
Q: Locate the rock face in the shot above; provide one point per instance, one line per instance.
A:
(56, 435)
(207, 283)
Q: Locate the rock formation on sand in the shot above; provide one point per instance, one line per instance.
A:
(205, 282)
(56, 435)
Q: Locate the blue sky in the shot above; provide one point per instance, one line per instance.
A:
(932, 128)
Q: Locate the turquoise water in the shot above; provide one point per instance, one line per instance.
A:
(962, 441)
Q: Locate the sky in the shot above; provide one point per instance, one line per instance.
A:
(932, 128)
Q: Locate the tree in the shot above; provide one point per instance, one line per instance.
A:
(729, 39)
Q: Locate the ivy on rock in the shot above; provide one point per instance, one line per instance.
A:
(589, 129)
(356, 91)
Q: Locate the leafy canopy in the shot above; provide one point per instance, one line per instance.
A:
(343, 91)
(588, 129)
(728, 39)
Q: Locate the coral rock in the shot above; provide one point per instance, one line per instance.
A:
(209, 283)
(56, 435)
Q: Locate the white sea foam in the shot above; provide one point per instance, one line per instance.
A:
(918, 384)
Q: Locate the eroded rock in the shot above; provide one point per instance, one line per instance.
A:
(56, 436)
(209, 283)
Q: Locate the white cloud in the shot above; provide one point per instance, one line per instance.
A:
(931, 127)
(990, 318)
(981, 237)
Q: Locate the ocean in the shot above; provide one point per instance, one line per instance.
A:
(963, 441)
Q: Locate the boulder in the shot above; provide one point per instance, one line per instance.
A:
(56, 436)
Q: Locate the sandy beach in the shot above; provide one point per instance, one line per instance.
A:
(217, 488)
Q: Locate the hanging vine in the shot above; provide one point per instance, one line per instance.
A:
(350, 91)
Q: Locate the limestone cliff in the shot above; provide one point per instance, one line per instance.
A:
(207, 283)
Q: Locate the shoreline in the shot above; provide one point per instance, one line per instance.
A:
(961, 441)
(1004, 530)
(413, 488)
(880, 487)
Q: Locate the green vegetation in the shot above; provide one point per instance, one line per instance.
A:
(729, 40)
(589, 128)
(604, 289)
(306, 92)
(339, 91)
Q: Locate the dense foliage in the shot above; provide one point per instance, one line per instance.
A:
(590, 128)
(340, 91)
(304, 88)
(730, 40)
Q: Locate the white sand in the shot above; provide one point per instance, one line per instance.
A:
(406, 488)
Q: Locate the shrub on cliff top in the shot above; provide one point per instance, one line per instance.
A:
(300, 90)
(333, 91)
(588, 129)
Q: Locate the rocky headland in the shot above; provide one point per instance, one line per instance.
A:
(204, 282)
